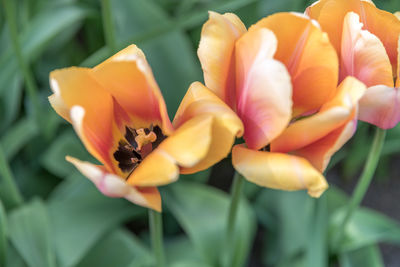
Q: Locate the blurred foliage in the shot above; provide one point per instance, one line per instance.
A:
(64, 221)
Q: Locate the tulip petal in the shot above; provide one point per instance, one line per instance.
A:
(384, 25)
(331, 116)
(278, 171)
(80, 99)
(112, 185)
(215, 52)
(187, 146)
(381, 106)
(264, 89)
(158, 168)
(398, 62)
(128, 78)
(320, 152)
(200, 101)
(309, 57)
(363, 54)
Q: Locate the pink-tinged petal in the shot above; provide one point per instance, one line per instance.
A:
(331, 116)
(264, 91)
(398, 62)
(309, 57)
(200, 101)
(320, 152)
(363, 55)
(384, 25)
(112, 185)
(381, 106)
(128, 78)
(278, 170)
(80, 99)
(216, 54)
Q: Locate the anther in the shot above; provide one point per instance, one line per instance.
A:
(143, 139)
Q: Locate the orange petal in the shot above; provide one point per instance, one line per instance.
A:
(215, 52)
(114, 186)
(398, 63)
(186, 147)
(309, 57)
(199, 101)
(278, 171)
(263, 88)
(80, 99)
(320, 152)
(384, 25)
(397, 14)
(381, 106)
(158, 168)
(128, 78)
(331, 116)
(363, 54)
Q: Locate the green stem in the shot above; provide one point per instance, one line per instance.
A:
(236, 193)
(316, 246)
(9, 10)
(8, 184)
(156, 233)
(108, 25)
(363, 183)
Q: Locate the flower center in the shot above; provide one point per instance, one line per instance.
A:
(138, 143)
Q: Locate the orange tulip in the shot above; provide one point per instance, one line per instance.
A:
(118, 112)
(281, 78)
(367, 41)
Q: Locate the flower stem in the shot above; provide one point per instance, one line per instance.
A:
(9, 10)
(108, 26)
(228, 257)
(9, 185)
(363, 183)
(236, 193)
(156, 233)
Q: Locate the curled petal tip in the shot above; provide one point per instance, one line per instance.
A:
(278, 170)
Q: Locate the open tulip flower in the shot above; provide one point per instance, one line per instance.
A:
(367, 41)
(118, 112)
(281, 78)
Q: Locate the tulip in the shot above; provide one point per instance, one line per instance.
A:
(367, 42)
(118, 111)
(281, 78)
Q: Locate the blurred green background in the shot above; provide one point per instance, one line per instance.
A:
(60, 218)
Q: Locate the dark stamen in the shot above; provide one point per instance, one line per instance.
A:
(129, 154)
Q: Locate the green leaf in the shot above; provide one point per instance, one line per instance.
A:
(30, 234)
(53, 159)
(18, 136)
(285, 241)
(13, 258)
(81, 216)
(3, 235)
(368, 256)
(10, 102)
(202, 212)
(181, 250)
(44, 27)
(365, 227)
(119, 248)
